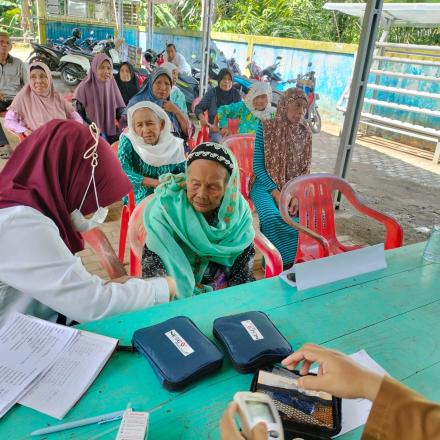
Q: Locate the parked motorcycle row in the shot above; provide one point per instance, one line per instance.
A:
(73, 60)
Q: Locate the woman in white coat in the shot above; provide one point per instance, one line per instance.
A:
(58, 175)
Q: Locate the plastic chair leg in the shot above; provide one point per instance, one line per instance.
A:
(135, 265)
(125, 215)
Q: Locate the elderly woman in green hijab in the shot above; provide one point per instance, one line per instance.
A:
(199, 226)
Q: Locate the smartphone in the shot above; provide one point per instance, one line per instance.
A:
(254, 408)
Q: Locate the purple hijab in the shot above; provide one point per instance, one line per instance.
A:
(47, 172)
(100, 98)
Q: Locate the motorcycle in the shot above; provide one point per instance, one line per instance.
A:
(48, 54)
(307, 82)
(75, 65)
(268, 74)
(89, 43)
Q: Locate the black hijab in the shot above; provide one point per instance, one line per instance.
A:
(229, 97)
(127, 88)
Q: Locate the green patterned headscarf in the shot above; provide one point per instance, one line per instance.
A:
(182, 237)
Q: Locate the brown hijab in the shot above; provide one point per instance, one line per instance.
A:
(287, 146)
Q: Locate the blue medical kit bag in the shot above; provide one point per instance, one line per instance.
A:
(251, 340)
(178, 351)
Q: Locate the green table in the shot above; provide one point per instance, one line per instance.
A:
(394, 314)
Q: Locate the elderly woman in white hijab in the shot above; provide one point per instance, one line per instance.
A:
(176, 96)
(148, 149)
(255, 107)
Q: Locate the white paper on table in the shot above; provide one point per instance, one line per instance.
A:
(355, 412)
(134, 425)
(28, 347)
(71, 375)
(337, 267)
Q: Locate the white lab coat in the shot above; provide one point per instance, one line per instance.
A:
(39, 275)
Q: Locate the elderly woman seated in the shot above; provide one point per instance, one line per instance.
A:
(37, 103)
(149, 149)
(199, 226)
(255, 107)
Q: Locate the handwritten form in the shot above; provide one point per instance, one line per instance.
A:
(46, 366)
(71, 375)
(28, 347)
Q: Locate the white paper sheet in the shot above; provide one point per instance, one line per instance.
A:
(134, 426)
(70, 376)
(355, 412)
(337, 267)
(28, 346)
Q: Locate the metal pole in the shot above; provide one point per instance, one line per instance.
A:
(120, 19)
(370, 27)
(150, 23)
(208, 9)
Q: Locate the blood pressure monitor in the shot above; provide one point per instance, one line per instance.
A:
(258, 407)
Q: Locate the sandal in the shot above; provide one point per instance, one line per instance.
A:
(5, 152)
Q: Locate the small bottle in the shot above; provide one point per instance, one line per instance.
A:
(432, 248)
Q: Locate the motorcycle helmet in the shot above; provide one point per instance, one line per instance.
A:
(76, 33)
(150, 56)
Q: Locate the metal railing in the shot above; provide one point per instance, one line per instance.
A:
(372, 119)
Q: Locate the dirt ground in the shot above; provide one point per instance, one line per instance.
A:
(402, 185)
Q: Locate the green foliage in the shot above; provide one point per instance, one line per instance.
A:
(10, 17)
(302, 19)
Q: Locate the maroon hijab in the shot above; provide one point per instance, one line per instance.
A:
(47, 172)
(100, 98)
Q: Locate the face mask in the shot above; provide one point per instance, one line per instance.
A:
(81, 223)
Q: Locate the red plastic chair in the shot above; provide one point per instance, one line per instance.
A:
(233, 126)
(125, 215)
(242, 145)
(203, 134)
(102, 248)
(136, 238)
(316, 227)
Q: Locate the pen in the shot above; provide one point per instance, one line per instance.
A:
(103, 418)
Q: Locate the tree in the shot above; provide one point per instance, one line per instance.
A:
(302, 19)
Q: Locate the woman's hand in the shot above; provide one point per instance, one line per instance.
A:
(276, 194)
(27, 133)
(224, 132)
(172, 287)
(293, 207)
(337, 375)
(149, 182)
(229, 430)
(170, 107)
